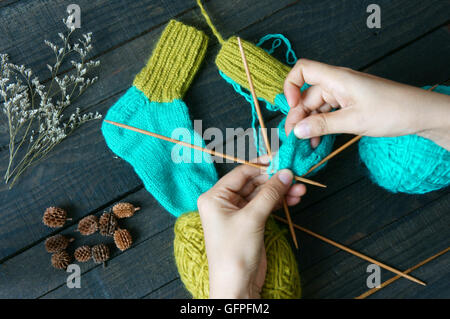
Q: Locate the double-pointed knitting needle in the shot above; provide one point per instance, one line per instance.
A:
(264, 132)
(353, 252)
(162, 137)
(343, 147)
(205, 150)
(391, 280)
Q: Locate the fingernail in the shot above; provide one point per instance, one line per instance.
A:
(285, 176)
(302, 130)
(315, 142)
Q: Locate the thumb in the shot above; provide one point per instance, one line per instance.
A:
(271, 193)
(341, 121)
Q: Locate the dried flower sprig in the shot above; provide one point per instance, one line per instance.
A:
(34, 111)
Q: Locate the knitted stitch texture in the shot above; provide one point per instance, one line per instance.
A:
(407, 164)
(298, 155)
(282, 278)
(268, 73)
(174, 175)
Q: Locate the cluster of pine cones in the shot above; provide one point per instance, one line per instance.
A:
(107, 225)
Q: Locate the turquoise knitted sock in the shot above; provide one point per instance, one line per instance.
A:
(154, 104)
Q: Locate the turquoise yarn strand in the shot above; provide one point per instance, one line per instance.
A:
(407, 164)
(291, 58)
(280, 100)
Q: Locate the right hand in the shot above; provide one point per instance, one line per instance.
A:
(367, 105)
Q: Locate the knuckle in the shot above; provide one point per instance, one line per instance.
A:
(202, 201)
(271, 193)
(321, 123)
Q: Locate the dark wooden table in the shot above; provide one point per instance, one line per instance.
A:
(83, 176)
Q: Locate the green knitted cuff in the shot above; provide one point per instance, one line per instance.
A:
(173, 64)
(268, 74)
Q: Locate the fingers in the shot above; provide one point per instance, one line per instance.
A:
(237, 178)
(271, 193)
(311, 72)
(341, 121)
(295, 115)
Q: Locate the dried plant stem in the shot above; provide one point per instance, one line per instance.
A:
(35, 113)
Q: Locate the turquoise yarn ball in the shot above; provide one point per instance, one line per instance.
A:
(298, 155)
(407, 164)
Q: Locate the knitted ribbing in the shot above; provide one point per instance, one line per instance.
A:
(268, 73)
(173, 64)
(282, 277)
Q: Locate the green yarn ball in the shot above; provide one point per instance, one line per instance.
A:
(282, 277)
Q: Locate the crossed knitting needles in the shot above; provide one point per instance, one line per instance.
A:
(298, 178)
(241, 161)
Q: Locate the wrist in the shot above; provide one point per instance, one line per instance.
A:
(435, 121)
(231, 284)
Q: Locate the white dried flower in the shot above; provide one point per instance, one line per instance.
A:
(28, 103)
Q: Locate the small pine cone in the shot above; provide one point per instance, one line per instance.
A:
(61, 260)
(100, 253)
(123, 239)
(83, 253)
(88, 225)
(123, 210)
(57, 243)
(107, 224)
(54, 217)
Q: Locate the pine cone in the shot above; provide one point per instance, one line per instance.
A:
(54, 217)
(123, 239)
(123, 210)
(61, 260)
(88, 225)
(107, 224)
(100, 253)
(57, 243)
(83, 253)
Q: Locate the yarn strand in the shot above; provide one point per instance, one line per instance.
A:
(209, 22)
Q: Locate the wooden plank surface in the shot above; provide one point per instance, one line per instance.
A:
(95, 179)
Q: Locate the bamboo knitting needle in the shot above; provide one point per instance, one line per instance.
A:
(227, 157)
(353, 252)
(343, 147)
(391, 280)
(334, 153)
(202, 149)
(264, 132)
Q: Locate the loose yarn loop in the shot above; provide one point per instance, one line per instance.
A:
(282, 277)
(407, 164)
(279, 102)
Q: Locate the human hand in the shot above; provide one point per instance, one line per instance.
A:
(233, 215)
(367, 105)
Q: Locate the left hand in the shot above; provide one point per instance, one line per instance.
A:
(233, 215)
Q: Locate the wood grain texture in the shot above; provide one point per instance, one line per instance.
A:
(413, 238)
(173, 290)
(30, 275)
(83, 175)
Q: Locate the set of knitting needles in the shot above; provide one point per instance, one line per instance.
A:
(288, 219)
